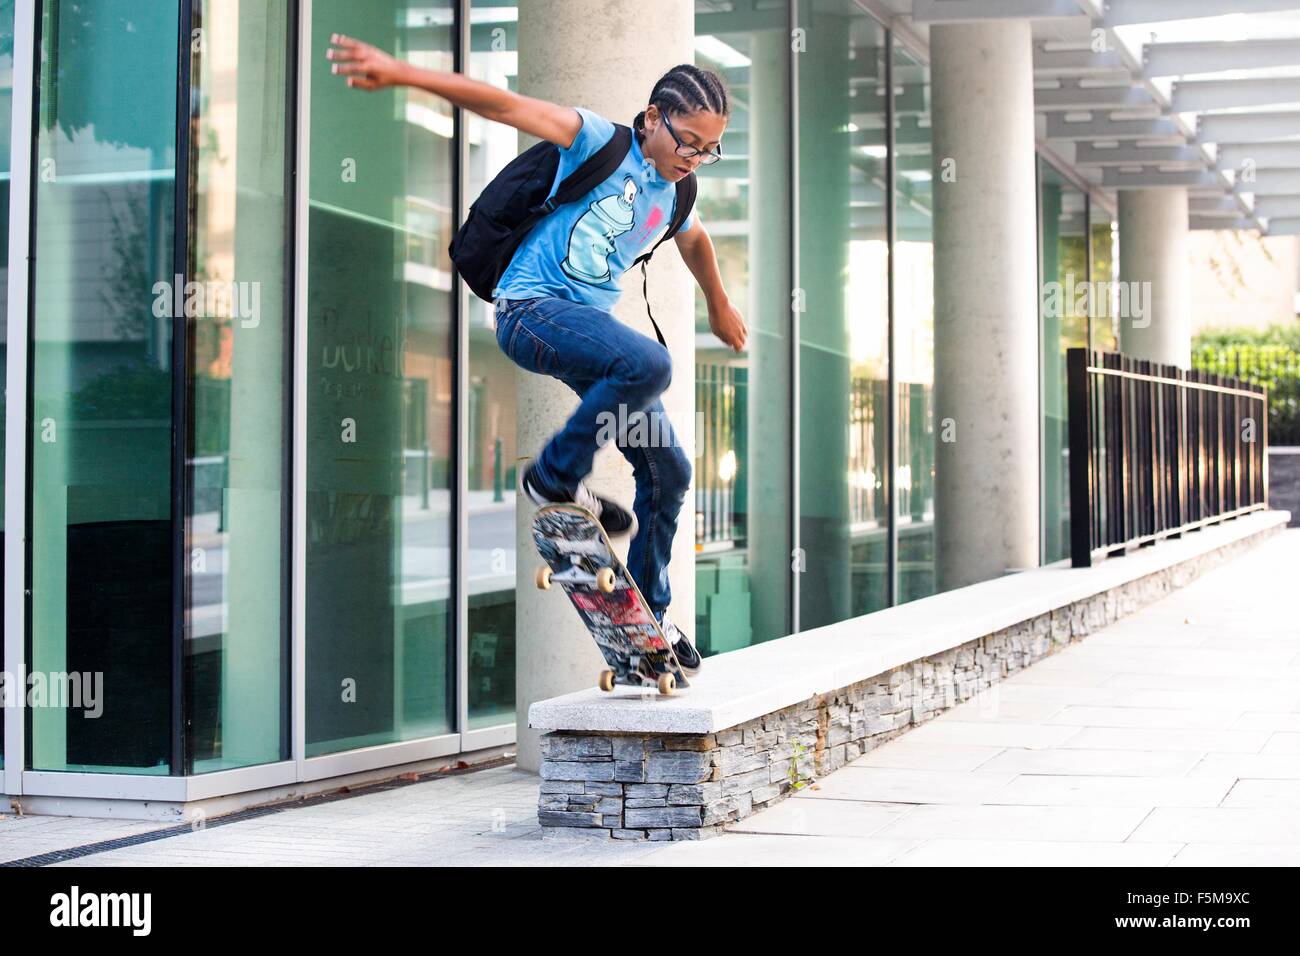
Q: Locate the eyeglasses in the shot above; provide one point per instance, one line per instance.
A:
(707, 156)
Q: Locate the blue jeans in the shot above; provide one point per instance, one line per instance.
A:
(617, 373)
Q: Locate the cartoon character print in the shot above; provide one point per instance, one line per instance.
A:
(591, 241)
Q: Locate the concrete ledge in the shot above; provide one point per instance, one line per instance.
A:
(761, 722)
(747, 683)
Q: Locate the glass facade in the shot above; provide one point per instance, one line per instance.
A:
(260, 398)
(742, 487)
(841, 306)
(6, 107)
(490, 396)
(102, 498)
(381, 659)
(812, 264)
(1103, 237)
(236, 477)
(913, 255)
(1063, 253)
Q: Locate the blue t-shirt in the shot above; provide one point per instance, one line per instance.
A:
(581, 250)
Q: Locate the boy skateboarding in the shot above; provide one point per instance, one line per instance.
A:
(553, 300)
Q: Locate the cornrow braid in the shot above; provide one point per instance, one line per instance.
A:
(687, 89)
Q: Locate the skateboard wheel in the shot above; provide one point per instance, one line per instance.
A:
(606, 680)
(605, 579)
(667, 684)
(543, 577)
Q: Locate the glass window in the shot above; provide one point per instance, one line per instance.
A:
(914, 322)
(742, 399)
(380, 653)
(842, 325)
(490, 436)
(6, 105)
(1064, 310)
(235, 656)
(101, 380)
(843, 319)
(1103, 233)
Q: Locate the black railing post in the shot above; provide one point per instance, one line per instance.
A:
(1078, 398)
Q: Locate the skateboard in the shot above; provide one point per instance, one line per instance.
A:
(580, 559)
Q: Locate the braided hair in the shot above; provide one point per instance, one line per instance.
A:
(686, 89)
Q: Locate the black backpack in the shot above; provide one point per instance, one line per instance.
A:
(520, 196)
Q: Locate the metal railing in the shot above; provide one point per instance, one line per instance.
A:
(720, 482)
(1156, 451)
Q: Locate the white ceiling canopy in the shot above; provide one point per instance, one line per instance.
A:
(1203, 94)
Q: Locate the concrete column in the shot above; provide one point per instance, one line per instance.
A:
(1153, 248)
(605, 55)
(985, 302)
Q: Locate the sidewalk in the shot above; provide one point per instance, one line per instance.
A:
(1170, 738)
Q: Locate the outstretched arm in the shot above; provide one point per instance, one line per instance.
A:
(725, 319)
(370, 68)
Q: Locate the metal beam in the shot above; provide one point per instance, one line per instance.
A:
(1198, 96)
(1215, 206)
(1105, 128)
(1289, 226)
(1124, 12)
(1247, 127)
(1147, 178)
(1271, 207)
(1093, 98)
(1127, 154)
(1078, 63)
(1218, 222)
(1259, 155)
(1271, 182)
(1215, 56)
(959, 11)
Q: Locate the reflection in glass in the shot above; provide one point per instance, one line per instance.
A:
(843, 323)
(914, 322)
(380, 658)
(742, 400)
(101, 379)
(1103, 233)
(6, 105)
(490, 438)
(235, 662)
(1064, 310)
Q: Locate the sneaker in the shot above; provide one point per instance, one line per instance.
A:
(613, 517)
(687, 656)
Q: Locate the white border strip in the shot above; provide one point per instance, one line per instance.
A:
(15, 504)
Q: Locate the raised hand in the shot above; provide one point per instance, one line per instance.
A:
(366, 67)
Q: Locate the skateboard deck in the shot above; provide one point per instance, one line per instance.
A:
(580, 559)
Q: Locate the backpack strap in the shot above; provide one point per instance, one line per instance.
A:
(593, 171)
(683, 202)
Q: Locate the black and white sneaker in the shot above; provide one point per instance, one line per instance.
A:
(687, 656)
(613, 517)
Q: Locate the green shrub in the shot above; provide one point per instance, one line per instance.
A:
(1269, 357)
